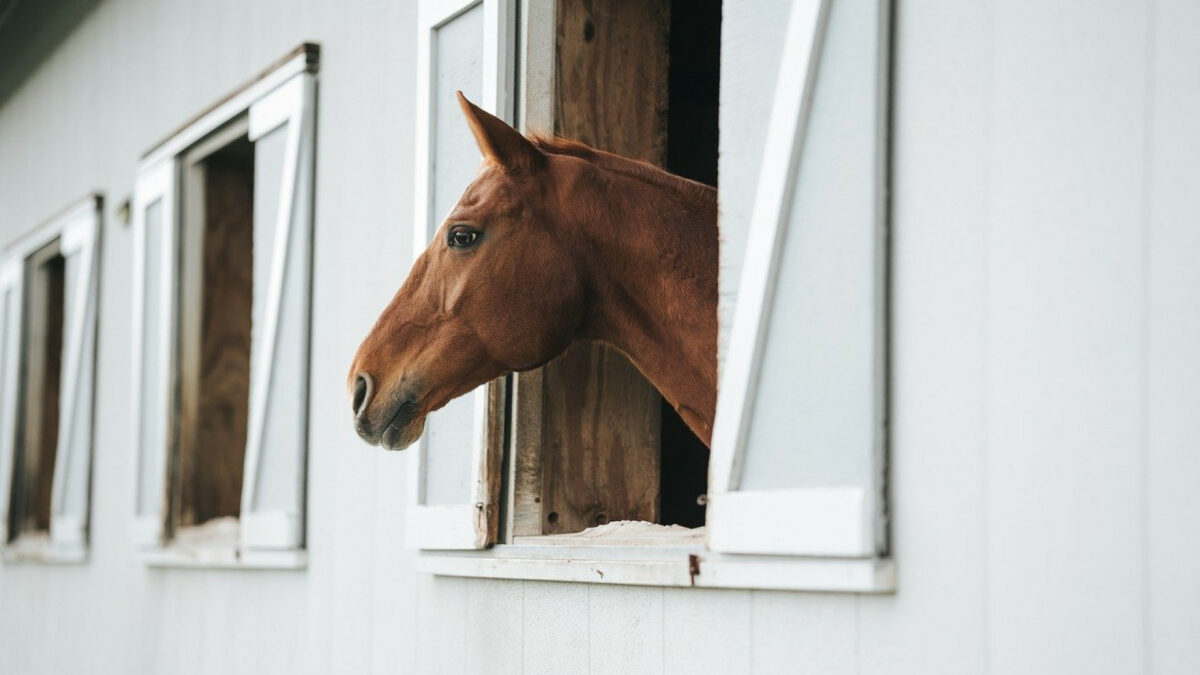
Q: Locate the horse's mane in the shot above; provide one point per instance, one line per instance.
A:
(632, 168)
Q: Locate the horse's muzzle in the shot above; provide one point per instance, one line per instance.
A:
(404, 428)
(394, 426)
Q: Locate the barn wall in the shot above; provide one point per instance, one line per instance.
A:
(129, 74)
(1046, 361)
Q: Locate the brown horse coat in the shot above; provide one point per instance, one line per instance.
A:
(552, 243)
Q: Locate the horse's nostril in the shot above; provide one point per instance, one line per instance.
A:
(362, 393)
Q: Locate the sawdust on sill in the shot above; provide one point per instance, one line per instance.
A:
(630, 533)
(211, 534)
(30, 543)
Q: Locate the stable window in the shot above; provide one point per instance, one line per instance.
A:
(222, 228)
(577, 471)
(48, 297)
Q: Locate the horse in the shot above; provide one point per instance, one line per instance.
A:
(553, 242)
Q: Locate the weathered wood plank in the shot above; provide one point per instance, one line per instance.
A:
(525, 472)
(612, 69)
(601, 419)
(497, 393)
(212, 443)
(600, 460)
(41, 367)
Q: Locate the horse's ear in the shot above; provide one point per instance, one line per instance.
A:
(497, 141)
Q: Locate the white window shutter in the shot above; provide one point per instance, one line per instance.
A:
(10, 355)
(797, 455)
(463, 45)
(70, 499)
(155, 227)
(273, 484)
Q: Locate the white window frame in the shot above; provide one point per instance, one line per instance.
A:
(833, 521)
(77, 231)
(284, 94)
(813, 553)
(467, 526)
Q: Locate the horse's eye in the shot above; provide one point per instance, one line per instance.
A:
(462, 236)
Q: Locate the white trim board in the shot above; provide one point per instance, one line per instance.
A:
(53, 227)
(225, 558)
(777, 182)
(801, 521)
(466, 525)
(445, 527)
(44, 553)
(290, 104)
(302, 59)
(836, 522)
(664, 566)
(155, 183)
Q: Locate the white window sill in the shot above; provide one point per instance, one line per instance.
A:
(659, 558)
(224, 558)
(40, 549)
(215, 545)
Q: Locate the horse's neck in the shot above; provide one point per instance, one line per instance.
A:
(656, 286)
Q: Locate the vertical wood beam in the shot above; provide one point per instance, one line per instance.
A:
(600, 433)
(215, 377)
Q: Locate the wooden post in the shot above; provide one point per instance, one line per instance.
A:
(600, 419)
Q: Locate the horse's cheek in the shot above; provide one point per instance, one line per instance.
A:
(454, 297)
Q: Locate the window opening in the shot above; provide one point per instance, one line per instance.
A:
(692, 141)
(214, 337)
(39, 384)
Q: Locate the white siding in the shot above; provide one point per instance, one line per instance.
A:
(1171, 535)
(1065, 368)
(938, 460)
(1046, 370)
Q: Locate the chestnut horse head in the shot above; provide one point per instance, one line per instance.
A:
(524, 264)
(493, 293)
